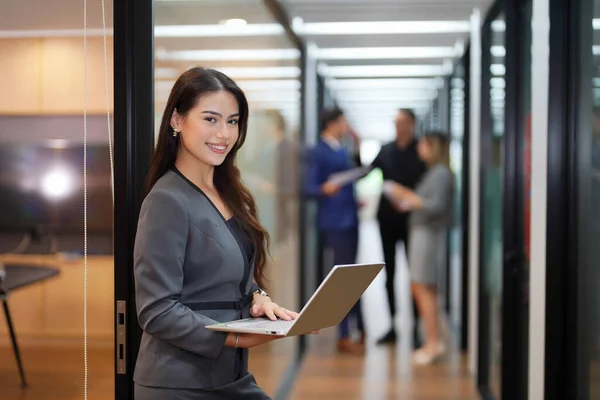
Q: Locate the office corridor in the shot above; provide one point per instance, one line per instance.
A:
(386, 372)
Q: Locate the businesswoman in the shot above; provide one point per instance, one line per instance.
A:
(430, 206)
(200, 250)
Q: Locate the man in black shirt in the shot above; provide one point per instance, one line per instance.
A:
(399, 162)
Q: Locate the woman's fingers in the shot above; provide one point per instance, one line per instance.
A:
(283, 313)
(270, 313)
(273, 311)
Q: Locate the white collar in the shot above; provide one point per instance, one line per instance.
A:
(333, 143)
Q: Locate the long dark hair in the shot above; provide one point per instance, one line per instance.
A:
(440, 145)
(184, 96)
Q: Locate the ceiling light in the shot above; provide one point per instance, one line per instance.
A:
(382, 71)
(498, 51)
(230, 55)
(498, 83)
(262, 72)
(256, 86)
(282, 84)
(498, 69)
(384, 53)
(276, 96)
(380, 101)
(394, 93)
(401, 83)
(218, 30)
(498, 25)
(381, 27)
(234, 22)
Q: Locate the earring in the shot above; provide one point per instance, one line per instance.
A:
(175, 132)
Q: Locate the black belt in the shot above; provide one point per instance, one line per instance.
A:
(222, 305)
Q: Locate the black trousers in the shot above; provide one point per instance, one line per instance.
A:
(393, 231)
(344, 245)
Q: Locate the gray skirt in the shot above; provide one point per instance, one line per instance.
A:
(427, 254)
(244, 388)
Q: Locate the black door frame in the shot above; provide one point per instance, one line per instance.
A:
(466, 196)
(463, 329)
(569, 102)
(514, 322)
(483, 356)
(514, 299)
(134, 144)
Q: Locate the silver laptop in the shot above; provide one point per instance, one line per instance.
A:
(327, 307)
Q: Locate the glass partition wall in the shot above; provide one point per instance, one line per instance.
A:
(493, 129)
(505, 155)
(42, 202)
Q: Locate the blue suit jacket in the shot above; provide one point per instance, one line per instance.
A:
(339, 212)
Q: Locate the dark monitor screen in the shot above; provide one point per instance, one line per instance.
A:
(43, 185)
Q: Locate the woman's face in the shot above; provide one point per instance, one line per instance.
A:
(424, 149)
(210, 129)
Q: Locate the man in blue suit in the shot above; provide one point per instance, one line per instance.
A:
(338, 209)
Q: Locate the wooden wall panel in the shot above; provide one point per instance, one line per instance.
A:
(45, 76)
(20, 67)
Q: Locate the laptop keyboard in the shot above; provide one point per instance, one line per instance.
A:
(280, 324)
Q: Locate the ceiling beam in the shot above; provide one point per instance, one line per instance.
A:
(280, 14)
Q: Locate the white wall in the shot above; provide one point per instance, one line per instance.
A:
(540, 51)
(474, 163)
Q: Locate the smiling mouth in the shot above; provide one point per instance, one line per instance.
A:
(217, 148)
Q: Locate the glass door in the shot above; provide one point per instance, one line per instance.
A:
(505, 155)
(586, 76)
(590, 212)
(492, 155)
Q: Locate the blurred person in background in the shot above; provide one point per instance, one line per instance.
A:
(337, 218)
(430, 204)
(400, 163)
(286, 178)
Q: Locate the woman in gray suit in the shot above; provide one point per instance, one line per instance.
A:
(430, 206)
(200, 250)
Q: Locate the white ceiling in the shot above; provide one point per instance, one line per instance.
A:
(371, 110)
(409, 60)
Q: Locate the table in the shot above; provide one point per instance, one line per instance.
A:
(16, 277)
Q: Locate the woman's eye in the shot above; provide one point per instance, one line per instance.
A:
(210, 119)
(233, 122)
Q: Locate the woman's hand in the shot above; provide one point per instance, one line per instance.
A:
(248, 340)
(400, 192)
(266, 307)
(406, 199)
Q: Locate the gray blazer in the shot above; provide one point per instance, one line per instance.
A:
(435, 188)
(429, 227)
(189, 272)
